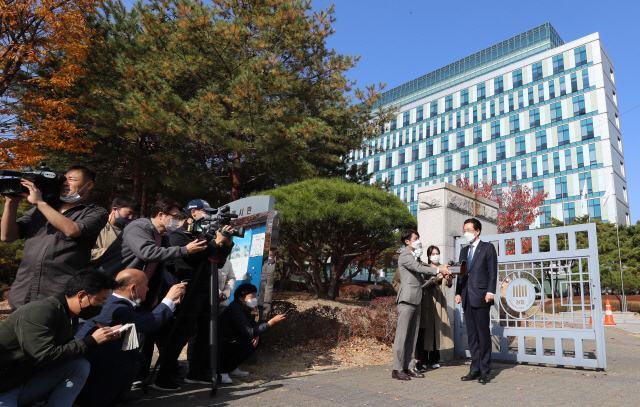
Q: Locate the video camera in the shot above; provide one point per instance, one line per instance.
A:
(206, 226)
(47, 181)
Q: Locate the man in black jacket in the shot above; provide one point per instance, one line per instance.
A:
(476, 290)
(38, 355)
(239, 331)
(196, 316)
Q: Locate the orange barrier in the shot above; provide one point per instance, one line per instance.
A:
(608, 315)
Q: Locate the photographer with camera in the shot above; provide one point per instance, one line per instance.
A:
(58, 235)
(196, 316)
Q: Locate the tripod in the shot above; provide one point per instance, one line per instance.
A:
(208, 265)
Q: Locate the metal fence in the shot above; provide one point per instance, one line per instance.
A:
(548, 288)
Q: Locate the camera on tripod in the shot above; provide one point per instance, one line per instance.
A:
(208, 224)
(47, 181)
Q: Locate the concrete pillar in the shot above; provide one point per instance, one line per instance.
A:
(442, 210)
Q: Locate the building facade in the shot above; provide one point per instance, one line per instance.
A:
(532, 109)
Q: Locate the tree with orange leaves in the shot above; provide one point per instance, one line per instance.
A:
(32, 34)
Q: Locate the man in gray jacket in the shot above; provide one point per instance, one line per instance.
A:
(409, 298)
(143, 246)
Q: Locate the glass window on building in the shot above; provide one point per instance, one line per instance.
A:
(530, 93)
(376, 164)
(538, 186)
(444, 144)
(413, 193)
(569, 211)
(405, 119)
(389, 161)
(414, 210)
(536, 71)
(484, 174)
(586, 129)
(477, 135)
(500, 151)
(498, 85)
(482, 155)
(420, 133)
(415, 152)
(523, 169)
(592, 154)
(433, 168)
(448, 164)
(521, 146)
(503, 172)
(520, 99)
(404, 175)
(448, 103)
(458, 123)
(534, 167)
(594, 209)
(492, 108)
(460, 139)
(429, 148)
(502, 105)
(419, 114)
(581, 56)
(405, 194)
(435, 127)
(514, 124)
(464, 160)
(534, 118)
(494, 174)
(495, 129)
(552, 89)
(400, 157)
(450, 121)
(393, 125)
(428, 129)
(574, 82)
(379, 178)
(563, 86)
(545, 214)
(434, 109)
(580, 156)
(417, 175)
(567, 159)
(390, 177)
(475, 177)
(400, 140)
(556, 112)
(514, 171)
(464, 97)
(585, 78)
(517, 78)
(582, 178)
(556, 162)
(561, 187)
(442, 130)
(511, 107)
(545, 165)
(475, 114)
(484, 111)
(624, 194)
(563, 135)
(413, 135)
(480, 92)
(578, 106)
(558, 64)
(541, 93)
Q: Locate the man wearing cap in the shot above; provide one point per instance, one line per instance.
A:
(196, 315)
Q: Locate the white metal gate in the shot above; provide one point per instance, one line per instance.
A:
(548, 288)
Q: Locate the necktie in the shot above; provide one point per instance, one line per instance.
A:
(469, 256)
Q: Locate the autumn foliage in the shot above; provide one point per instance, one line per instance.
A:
(34, 33)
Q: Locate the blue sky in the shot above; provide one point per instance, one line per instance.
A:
(400, 40)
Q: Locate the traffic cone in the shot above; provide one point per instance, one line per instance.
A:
(591, 320)
(608, 315)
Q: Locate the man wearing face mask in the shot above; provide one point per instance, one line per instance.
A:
(196, 316)
(475, 291)
(112, 369)
(123, 209)
(39, 357)
(144, 246)
(239, 331)
(409, 299)
(58, 239)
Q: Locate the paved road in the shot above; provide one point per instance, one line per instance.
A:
(513, 385)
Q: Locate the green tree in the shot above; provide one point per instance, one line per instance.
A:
(329, 223)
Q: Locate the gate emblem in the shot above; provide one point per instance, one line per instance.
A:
(520, 294)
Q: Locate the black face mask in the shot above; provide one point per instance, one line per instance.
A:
(120, 221)
(89, 311)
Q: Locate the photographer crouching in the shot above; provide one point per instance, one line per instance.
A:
(59, 233)
(196, 316)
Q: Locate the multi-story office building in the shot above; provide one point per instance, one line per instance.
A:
(532, 109)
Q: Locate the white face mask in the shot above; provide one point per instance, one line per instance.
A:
(138, 301)
(468, 236)
(435, 259)
(417, 247)
(172, 226)
(252, 303)
(75, 197)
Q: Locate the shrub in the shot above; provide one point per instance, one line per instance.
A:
(282, 307)
(377, 320)
(295, 286)
(388, 292)
(319, 324)
(354, 292)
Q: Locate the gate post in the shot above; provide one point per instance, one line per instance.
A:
(442, 209)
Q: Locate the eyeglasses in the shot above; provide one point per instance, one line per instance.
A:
(175, 216)
(100, 304)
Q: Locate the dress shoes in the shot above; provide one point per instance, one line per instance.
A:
(470, 376)
(484, 378)
(400, 375)
(413, 373)
(421, 367)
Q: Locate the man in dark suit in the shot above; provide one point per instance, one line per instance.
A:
(476, 290)
(112, 369)
(409, 299)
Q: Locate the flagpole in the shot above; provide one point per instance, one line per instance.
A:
(623, 297)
